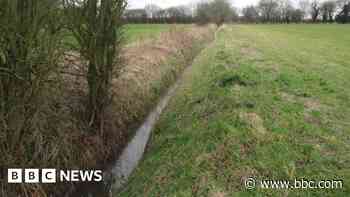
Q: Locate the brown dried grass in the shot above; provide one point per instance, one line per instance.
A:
(255, 122)
(150, 67)
(151, 64)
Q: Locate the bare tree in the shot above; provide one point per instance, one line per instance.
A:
(217, 11)
(175, 14)
(97, 26)
(328, 9)
(304, 6)
(30, 37)
(286, 9)
(268, 9)
(250, 14)
(29, 49)
(297, 16)
(151, 10)
(203, 13)
(344, 15)
(315, 10)
(324, 12)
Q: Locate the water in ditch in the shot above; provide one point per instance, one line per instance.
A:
(134, 151)
(117, 175)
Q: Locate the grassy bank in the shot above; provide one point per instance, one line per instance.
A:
(270, 102)
(151, 67)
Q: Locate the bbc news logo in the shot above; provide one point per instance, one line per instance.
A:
(53, 176)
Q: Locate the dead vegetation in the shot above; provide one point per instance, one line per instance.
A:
(218, 194)
(255, 122)
(150, 67)
(310, 105)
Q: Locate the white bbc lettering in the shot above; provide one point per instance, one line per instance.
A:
(48, 176)
(98, 176)
(31, 175)
(64, 175)
(86, 175)
(51, 176)
(75, 176)
(14, 175)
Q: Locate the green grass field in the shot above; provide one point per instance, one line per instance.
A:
(263, 101)
(140, 31)
(132, 32)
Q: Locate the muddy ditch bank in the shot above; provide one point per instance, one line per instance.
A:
(152, 66)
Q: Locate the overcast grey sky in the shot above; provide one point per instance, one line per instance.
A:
(169, 3)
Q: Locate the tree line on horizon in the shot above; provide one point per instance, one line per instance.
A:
(266, 11)
(288, 11)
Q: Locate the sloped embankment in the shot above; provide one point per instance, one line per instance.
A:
(151, 66)
(59, 137)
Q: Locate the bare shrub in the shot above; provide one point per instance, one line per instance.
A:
(30, 43)
(97, 27)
